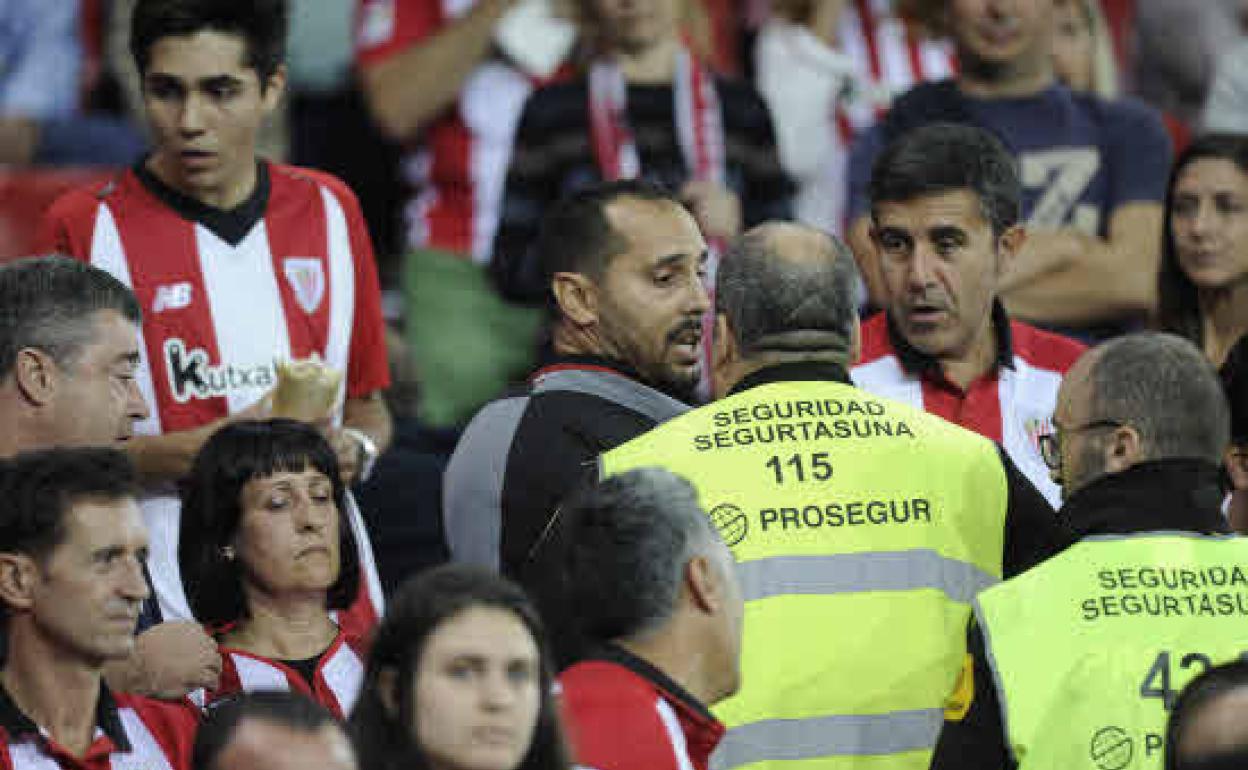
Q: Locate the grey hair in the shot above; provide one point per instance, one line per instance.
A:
(629, 538)
(1165, 388)
(47, 303)
(783, 306)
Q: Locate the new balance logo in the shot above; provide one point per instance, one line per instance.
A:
(173, 296)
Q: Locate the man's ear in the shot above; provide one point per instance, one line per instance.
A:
(1236, 459)
(724, 356)
(17, 580)
(388, 690)
(1009, 244)
(703, 584)
(577, 297)
(1123, 449)
(855, 341)
(36, 375)
(273, 88)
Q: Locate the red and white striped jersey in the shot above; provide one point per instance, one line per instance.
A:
(225, 296)
(131, 733)
(335, 685)
(458, 167)
(1012, 404)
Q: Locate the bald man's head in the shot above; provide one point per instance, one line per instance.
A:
(1207, 730)
(260, 745)
(788, 289)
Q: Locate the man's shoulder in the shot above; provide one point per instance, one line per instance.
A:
(290, 180)
(83, 201)
(876, 343)
(1044, 349)
(167, 717)
(592, 684)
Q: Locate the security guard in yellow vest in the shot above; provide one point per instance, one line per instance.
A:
(863, 527)
(1077, 661)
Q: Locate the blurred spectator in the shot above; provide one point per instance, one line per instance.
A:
(625, 265)
(923, 515)
(72, 545)
(828, 70)
(944, 214)
(654, 590)
(1226, 110)
(1069, 655)
(271, 731)
(41, 82)
(1235, 381)
(1203, 282)
(1206, 729)
(459, 648)
(69, 350)
(239, 263)
(265, 550)
(1178, 44)
(649, 108)
(1093, 171)
(1083, 53)
(434, 82)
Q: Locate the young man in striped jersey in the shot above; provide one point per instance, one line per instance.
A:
(71, 588)
(238, 263)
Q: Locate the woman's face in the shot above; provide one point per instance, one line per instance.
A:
(1072, 46)
(288, 534)
(1209, 217)
(477, 692)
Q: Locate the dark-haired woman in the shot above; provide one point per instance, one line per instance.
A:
(267, 557)
(1203, 284)
(458, 679)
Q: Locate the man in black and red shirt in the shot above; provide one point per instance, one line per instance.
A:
(654, 591)
(623, 263)
(71, 588)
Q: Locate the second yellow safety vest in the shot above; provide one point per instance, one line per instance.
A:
(863, 528)
(1090, 649)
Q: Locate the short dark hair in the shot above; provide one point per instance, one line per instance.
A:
(48, 303)
(212, 509)
(277, 707)
(383, 738)
(38, 490)
(1234, 375)
(1166, 389)
(628, 540)
(945, 157)
(1211, 685)
(575, 235)
(771, 301)
(262, 24)
(1178, 308)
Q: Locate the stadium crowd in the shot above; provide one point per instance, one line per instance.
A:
(623, 384)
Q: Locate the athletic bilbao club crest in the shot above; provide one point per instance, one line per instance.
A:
(306, 277)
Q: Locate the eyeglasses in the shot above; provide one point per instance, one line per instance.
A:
(1051, 443)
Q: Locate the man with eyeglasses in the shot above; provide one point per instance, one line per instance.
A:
(1077, 661)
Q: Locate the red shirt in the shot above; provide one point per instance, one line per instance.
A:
(623, 714)
(132, 733)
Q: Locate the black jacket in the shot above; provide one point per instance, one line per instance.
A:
(1165, 495)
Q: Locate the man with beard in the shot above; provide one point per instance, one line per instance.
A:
(624, 264)
(1086, 653)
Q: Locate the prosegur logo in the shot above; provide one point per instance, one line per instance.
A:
(191, 375)
(1112, 748)
(732, 523)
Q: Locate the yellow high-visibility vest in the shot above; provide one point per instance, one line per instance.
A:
(1090, 649)
(863, 528)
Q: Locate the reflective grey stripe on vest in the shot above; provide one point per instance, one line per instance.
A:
(613, 387)
(829, 736)
(857, 572)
